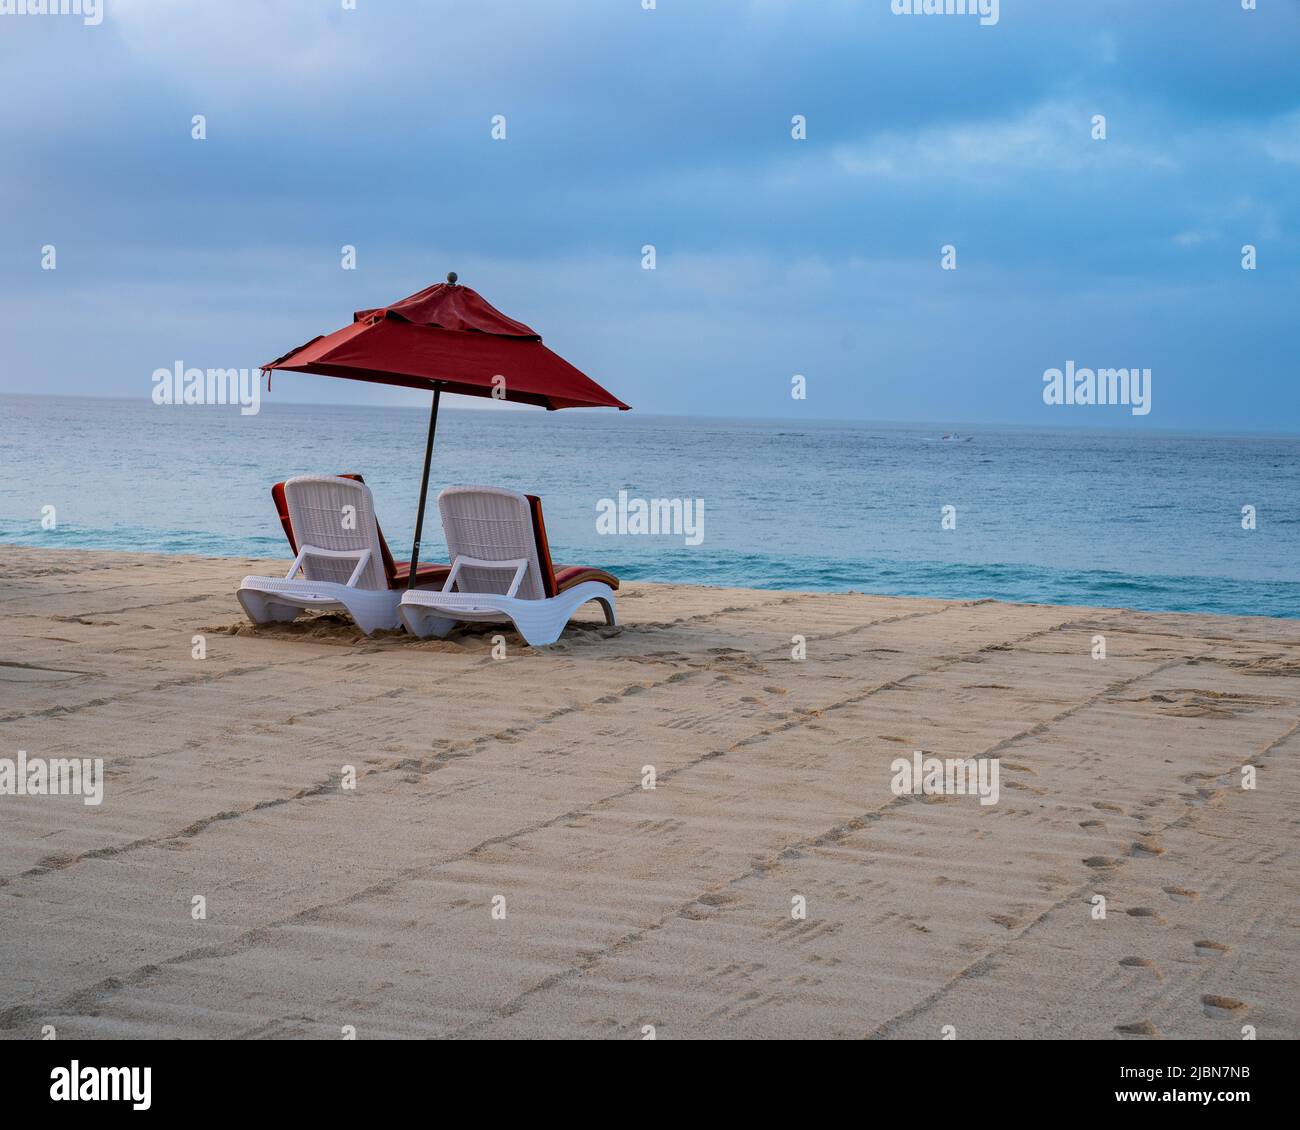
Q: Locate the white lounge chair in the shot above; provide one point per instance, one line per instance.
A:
(339, 553)
(501, 569)
(428, 573)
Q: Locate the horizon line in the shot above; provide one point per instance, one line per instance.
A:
(526, 409)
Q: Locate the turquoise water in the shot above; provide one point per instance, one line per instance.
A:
(1134, 519)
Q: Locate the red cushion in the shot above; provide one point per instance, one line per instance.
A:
(566, 576)
(424, 575)
(555, 581)
(543, 546)
(282, 509)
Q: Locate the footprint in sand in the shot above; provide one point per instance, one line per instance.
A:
(1182, 894)
(1194, 778)
(1210, 949)
(1147, 848)
(1142, 963)
(1222, 1008)
(704, 906)
(717, 899)
(1106, 806)
(1145, 912)
(1141, 1029)
(1093, 825)
(1099, 861)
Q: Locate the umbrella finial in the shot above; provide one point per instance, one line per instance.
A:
(452, 277)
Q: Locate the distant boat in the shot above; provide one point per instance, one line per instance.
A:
(949, 437)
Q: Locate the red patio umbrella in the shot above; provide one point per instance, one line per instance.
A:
(447, 338)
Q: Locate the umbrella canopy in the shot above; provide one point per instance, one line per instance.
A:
(449, 337)
(446, 338)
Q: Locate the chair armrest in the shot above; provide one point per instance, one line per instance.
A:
(520, 567)
(362, 557)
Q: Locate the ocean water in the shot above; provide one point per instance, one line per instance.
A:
(1133, 519)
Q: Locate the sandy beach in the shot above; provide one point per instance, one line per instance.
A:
(499, 870)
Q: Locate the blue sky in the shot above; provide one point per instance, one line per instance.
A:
(672, 127)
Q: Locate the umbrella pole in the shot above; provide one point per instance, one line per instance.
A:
(424, 487)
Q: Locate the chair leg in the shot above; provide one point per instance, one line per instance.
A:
(262, 611)
(423, 625)
(611, 615)
(541, 634)
(371, 617)
(543, 626)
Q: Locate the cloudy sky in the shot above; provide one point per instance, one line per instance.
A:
(672, 127)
